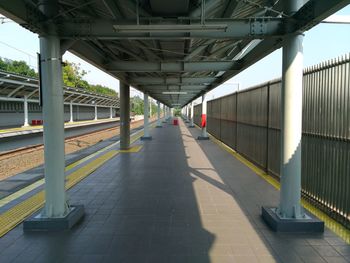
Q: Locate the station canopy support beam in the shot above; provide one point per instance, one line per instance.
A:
(204, 135)
(25, 111)
(124, 115)
(96, 117)
(289, 216)
(187, 113)
(148, 29)
(71, 112)
(56, 214)
(192, 116)
(146, 134)
(159, 122)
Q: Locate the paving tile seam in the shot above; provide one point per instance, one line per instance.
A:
(334, 226)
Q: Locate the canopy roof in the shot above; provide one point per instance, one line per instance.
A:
(14, 87)
(173, 50)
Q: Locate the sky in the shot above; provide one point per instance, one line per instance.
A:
(321, 43)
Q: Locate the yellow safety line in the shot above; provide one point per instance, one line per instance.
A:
(84, 171)
(333, 225)
(21, 192)
(15, 215)
(37, 127)
(40, 182)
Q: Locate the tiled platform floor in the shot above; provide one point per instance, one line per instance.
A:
(177, 200)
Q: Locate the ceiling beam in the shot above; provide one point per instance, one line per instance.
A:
(86, 52)
(314, 11)
(195, 88)
(250, 28)
(171, 80)
(179, 66)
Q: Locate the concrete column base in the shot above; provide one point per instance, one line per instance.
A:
(308, 224)
(202, 138)
(146, 138)
(37, 223)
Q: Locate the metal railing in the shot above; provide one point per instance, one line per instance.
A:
(249, 122)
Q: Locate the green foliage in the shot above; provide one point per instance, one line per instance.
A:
(154, 109)
(19, 67)
(177, 112)
(136, 105)
(72, 75)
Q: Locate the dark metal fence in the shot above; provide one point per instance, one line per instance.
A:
(249, 122)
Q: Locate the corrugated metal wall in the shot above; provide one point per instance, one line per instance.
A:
(249, 122)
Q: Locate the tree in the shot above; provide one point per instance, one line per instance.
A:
(73, 77)
(18, 67)
(136, 105)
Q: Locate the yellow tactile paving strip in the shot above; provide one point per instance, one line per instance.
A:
(18, 213)
(133, 149)
(40, 182)
(15, 215)
(337, 228)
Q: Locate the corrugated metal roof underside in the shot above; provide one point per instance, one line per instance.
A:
(184, 57)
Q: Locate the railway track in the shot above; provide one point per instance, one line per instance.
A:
(28, 149)
(21, 159)
(31, 148)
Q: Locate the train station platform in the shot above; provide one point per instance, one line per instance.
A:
(17, 131)
(171, 199)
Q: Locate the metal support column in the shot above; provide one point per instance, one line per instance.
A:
(187, 119)
(71, 112)
(146, 135)
(95, 113)
(25, 110)
(124, 115)
(291, 119)
(192, 115)
(204, 135)
(52, 96)
(164, 113)
(159, 123)
(167, 113)
(150, 107)
(111, 112)
(289, 215)
(56, 215)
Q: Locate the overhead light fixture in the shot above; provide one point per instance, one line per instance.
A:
(169, 28)
(220, 73)
(174, 92)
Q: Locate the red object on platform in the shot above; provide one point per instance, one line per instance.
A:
(34, 122)
(204, 120)
(175, 122)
